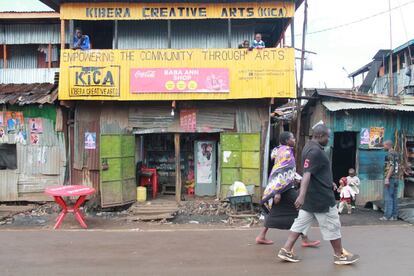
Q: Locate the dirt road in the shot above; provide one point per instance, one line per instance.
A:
(384, 250)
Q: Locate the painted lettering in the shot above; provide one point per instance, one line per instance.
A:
(108, 12)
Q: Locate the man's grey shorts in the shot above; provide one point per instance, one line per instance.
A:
(329, 223)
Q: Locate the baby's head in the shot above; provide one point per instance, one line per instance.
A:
(343, 182)
(351, 172)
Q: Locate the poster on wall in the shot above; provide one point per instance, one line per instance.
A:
(90, 140)
(1, 119)
(364, 136)
(36, 125)
(376, 137)
(14, 121)
(205, 162)
(34, 139)
(2, 133)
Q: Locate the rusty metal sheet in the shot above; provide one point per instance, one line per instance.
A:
(114, 119)
(23, 94)
(87, 119)
(86, 177)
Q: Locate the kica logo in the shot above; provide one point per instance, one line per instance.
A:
(96, 76)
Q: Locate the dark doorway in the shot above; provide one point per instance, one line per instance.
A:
(344, 154)
(100, 32)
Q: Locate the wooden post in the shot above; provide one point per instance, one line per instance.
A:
(229, 32)
(169, 33)
(115, 41)
(391, 90)
(62, 34)
(300, 90)
(177, 168)
(4, 56)
(49, 52)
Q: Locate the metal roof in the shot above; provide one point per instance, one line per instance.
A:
(343, 105)
(22, 94)
(55, 4)
(344, 94)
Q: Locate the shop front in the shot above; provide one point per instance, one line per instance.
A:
(194, 112)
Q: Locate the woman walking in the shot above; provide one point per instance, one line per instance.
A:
(280, 193)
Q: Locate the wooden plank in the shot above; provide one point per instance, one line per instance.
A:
(177, 168)
(62, 34)
(49, 52)
(28, 15)
(150, 217)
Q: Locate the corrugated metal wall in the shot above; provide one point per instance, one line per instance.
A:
(21, 56)
(36, 75)
(38, 166)
(184, 34)
(30, 34)
(369, 161)
(142, 34)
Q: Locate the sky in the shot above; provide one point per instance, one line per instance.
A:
(343, 50)
(339, 51)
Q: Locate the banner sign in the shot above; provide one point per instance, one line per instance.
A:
(171, 11)
(156, 80)
(168, 74)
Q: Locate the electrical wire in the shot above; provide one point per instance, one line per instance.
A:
(357, 21)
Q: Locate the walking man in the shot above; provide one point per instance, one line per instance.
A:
(391, 173)
(316, 200)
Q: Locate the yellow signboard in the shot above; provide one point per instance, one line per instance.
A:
(144, 11)
(167, 74)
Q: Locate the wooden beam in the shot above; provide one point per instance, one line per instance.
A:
(49, 52)
(62, 34)
(29, 15)
(4, 56)
(177, 168)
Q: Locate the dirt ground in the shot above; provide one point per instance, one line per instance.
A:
(192, 214)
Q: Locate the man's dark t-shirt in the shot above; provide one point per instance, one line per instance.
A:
(319, 196)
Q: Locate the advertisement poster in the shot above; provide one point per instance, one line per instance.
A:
(14, 121)
(364, 136)
(1, 119)
(376, 137)
(188, 119)
(205, 162)
(34, 139)
(90, 140)
(176, 80)
(36, 125)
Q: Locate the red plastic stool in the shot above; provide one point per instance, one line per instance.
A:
(190, 191)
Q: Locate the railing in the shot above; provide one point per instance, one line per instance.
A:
(32, 75)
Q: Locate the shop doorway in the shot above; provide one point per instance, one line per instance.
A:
(344, 154)
(198, 161)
